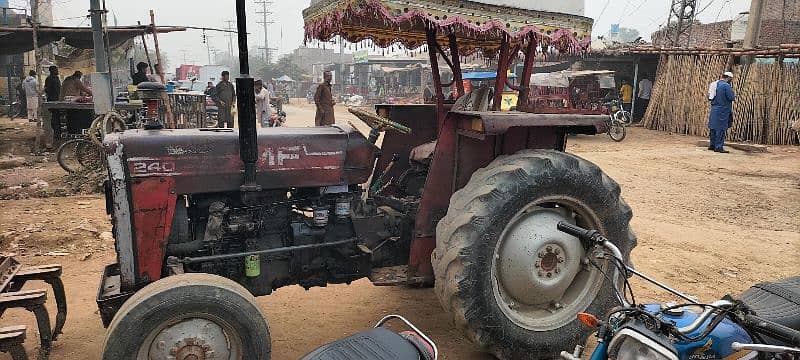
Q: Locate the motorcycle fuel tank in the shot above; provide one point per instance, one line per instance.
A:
(717, 345)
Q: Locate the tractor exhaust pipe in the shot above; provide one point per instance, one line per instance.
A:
(245, 97)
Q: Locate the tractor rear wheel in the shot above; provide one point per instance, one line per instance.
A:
(189, 316)
(509, 278)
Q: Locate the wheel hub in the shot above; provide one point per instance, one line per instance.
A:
(538, 276)
(191, 339)
(536, 263)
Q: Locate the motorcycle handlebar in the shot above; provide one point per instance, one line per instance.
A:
(775, 330)
(593, 236)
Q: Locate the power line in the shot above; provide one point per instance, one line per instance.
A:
(601, 13)
(681, 14)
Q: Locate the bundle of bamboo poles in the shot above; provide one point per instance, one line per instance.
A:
(767, 98)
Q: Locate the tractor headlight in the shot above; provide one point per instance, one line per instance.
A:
(634, 342)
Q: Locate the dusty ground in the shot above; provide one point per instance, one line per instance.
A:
(707, 223)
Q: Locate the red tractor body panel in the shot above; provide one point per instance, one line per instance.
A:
(150, 168)
(153, 208)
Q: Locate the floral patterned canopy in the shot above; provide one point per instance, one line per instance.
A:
(477, 26)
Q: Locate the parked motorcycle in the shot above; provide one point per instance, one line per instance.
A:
(212, 113)
(277, 119)
(763, 322)
(380, 343)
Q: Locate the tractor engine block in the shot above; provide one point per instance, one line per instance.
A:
(214, 226)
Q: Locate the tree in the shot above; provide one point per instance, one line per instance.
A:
(625, 35)
(140, 56)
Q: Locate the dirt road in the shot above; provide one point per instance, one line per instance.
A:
(707, 223)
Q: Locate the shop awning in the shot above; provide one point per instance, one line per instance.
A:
(17, 40)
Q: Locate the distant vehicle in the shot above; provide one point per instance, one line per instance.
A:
(189, 85)
(211, 73)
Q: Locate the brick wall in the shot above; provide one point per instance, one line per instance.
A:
(779, 25)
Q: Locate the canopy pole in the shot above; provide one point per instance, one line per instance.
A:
(527, 70)
(503, 61)
(456, 64)
(437, 77)
(146, 51)
(160, 71)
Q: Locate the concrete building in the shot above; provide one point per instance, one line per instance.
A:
(779, 25)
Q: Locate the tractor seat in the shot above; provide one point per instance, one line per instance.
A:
(376, 344)
(777, 301)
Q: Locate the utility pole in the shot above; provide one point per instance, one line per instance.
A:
(229, 26)
(264, 13)
(753, 28)
(37, 61)
(184, 56)
(681, 19)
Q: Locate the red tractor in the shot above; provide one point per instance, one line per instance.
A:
(459, 196)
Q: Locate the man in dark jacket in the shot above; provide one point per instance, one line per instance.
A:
(721, 116)
(324, 100)
(52, 85)
(140, 75)
(52, 89)
(224, 96)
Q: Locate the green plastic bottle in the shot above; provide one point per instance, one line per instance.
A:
(252, 266)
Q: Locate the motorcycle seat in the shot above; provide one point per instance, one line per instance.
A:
(376, 344)
(777, 301)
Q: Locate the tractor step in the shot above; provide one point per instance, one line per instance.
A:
(389, 276)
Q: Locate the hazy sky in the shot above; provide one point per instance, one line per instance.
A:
(287, 31)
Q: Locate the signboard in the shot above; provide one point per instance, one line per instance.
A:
(361, 57)
(614, 29)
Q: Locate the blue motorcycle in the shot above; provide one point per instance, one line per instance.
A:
(761, 323)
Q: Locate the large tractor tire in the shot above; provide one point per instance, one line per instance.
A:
(509, 278)
(189, 316)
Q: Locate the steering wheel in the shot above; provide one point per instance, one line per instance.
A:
(378, 122)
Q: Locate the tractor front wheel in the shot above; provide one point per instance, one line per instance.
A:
(509, 278)
(189, 316)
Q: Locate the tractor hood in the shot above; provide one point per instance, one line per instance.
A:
(207, 160)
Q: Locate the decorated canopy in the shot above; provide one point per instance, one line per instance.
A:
(476, 25)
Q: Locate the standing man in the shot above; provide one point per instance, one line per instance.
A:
(720, 93)
(626, 94)
(73, 88)
(224, 96)
(263, 111)
(140, 75)
(324, 100)
(52, 85)
(31, 87)
(643, 97)
(52, 89)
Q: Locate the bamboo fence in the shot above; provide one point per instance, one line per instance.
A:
(767, 98)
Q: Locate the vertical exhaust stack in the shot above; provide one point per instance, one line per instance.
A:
(245, 97)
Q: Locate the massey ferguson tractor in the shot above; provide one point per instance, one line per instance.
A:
(459, 196)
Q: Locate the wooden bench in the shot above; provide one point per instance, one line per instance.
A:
(11, 340)
(33, 301)
(51, 274)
